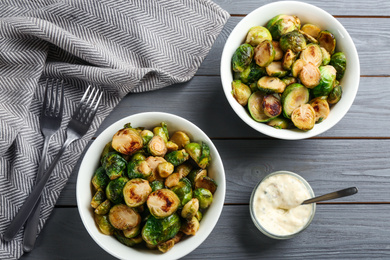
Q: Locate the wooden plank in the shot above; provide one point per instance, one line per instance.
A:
(359, 7)
(337, 231)
(367, 34)
(328, 165)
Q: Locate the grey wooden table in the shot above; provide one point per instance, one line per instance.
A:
(353, 153)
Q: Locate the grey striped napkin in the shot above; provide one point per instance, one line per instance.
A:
(124, 46)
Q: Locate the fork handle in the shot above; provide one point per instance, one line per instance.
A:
(34, 196)
(31, 227)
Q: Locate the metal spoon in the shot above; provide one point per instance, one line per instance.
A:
(332, 195)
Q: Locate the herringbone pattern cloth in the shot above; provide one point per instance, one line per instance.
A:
(122, 45)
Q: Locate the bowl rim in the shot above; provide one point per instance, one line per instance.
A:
(289, 134)
(100, 141)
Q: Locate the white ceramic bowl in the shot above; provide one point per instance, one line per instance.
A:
(90, 163)
(307, 14)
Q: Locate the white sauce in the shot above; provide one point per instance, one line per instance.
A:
(276, 204)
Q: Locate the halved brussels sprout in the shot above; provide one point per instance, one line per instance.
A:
(153, 162)
(339, 62)
(100, 179)
(257, 35)
(138, 169)
(311, 29)
(114, 165)
(255, 107)
(288, 59)
(308, 37)
(241, 92)
(104, 224)
(310, 75)
(252, 73)
(114, 190)
(107, 149)
(127, 241)
(264, 53)
(195, 174)
(157, 147)
(283, 25)
(190, 208)
(335, 95)
(180, 138)
(156, 185)
(312, 53)
(294, 96)
(328, 76)
(165, 169)
(270, 85)
(171, 146)
(167, 245)
(123, 217)
(279, 123)
(303, 117)
(177, 157)
(272, 106)
(162, 203)
(275, 69)
(132, 232)
(327, 40)
(127, 141)
(183, 191)
(184, 169)
(146, 135)
(297, 67)
(162, 131)
(200, 153)
(173, 179)
(204, 196)
(293, 41)
(242, 57)
(325, 56)
(103, 208)
(98, 198)
(321, 108)
(156, 231)
(190, 226)
(136, 192)
(278, 51)
(289, 80)
(207, 183)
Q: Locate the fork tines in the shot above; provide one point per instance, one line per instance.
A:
(56, 99)
(84, 112)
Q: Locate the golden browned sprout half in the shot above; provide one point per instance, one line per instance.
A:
(310, 75)
(127, 141)
(123, 217)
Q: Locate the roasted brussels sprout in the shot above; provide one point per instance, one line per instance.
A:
(288, 59)
(297, 67)
(167, 245)
(241, 92)
(335, 95)
(162, 203)
(177, 157)
(321, 108)
(252, 73)
(257, 35)
(100, 179)
(103, 208)
(207, 183)
(183, 191)
(195, 174)
(312, 53)
(156, 231)
(138, 169)
(255, 107)
(98, 198)
(242, 57)
(275, 69)
(132, 232)
(303, 117)
(173, 179)
(104, 224)
(272, 106)
(199, 215)
(264, 53)
(171, 146)
(157, 147)
(136, 192)
(107, 149)
(200, 153)
(162, 131)
(278, 51)
(270, 85)
(180, 138)
(282, 24)
(190, 226)
(138, 156)
(308, 37)
(204, 196)
(127, 241)
(153, 163)
(327, 40)
(114, 165)
(339, 62)
(123, 217)
(311, 29)
(325, 56)
(146, 135)
(127, 141)
(325, 86)
(293, 41)
(279, 123)
(114, 190)
(190, 208)
(184, 169)
(164, 169)
(294, 96)
(156, 185)
(289, 80)
(310, 75)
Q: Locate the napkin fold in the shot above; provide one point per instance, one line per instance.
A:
(124, 46)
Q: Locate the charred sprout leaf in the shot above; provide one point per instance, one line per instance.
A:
(252, 73)
(303, 117)
(264, 53)
(98, 198)
(242, 57)
(165, 169)
(293, 41)
(127, 141)
(294, 96)
(207, 183)
(339, 62)
(278, 51)
(321, 108)
(312, 54)
(132, 232)
(136, 192)
(241, 92)
(255, 107)
(325, 56)
(190, 226)
(127, 241)
(100, 179)
(180, 138)
(114, 190)
(270, 85)
(183, 191)
(104, 224)
(272, 106)
(156, 231)
(190, 208)
(325, 86)
(177, 157)
(204, 196)
(114, 165)
(123, 217)
(310, 75)
(257, 35)
(146, 135)
(103, 208)
(275, 69)
(156, 185)
(283, 25)
(138, 169)
(162, 203)
(157, 147)
(327, 40)
(335, 95)
(288, 59)
(279, 123)
(311, 29)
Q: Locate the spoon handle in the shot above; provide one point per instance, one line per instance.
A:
(332, 195)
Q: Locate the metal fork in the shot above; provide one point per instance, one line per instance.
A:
(50, 122)
(77, 127)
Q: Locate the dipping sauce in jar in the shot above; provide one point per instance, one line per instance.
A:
(276, 206)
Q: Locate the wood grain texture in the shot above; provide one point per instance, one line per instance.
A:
(337, 232)
(365, 32)
(334, 7)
